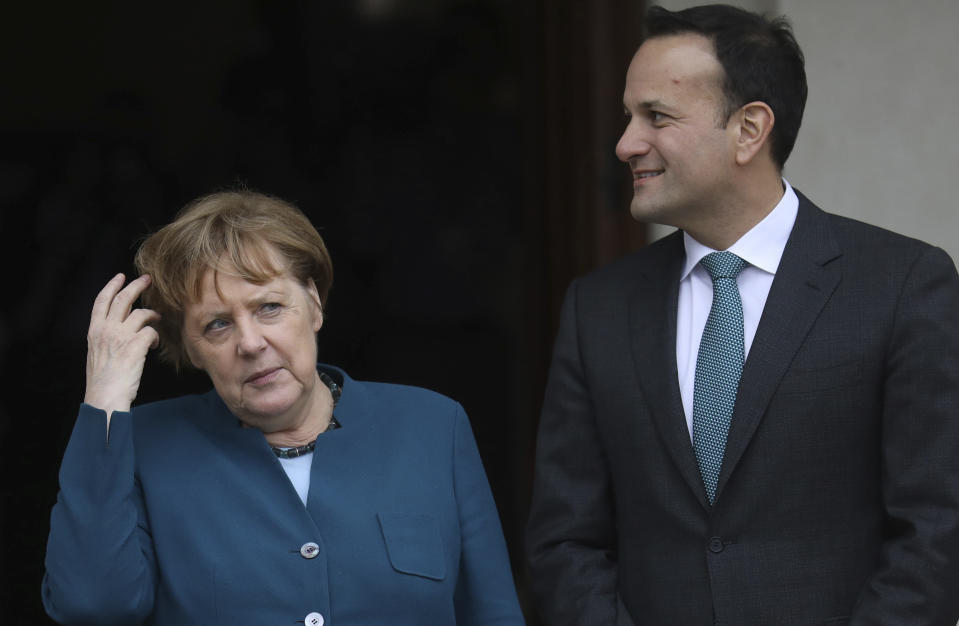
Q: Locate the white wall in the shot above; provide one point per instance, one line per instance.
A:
(880, 140)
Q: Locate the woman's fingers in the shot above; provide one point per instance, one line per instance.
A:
(117, 344)
(145, 336)
(138, 318)
(149, 336)
(122, 302)
(101, 305)
(115, 301)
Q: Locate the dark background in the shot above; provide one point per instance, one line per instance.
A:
(457, 156)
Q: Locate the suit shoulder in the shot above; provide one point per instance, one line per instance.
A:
(394, 392)
(413, 418)
(177, 404)
(406, 404)
(854, 232)
(657, 257)
(879, 247)
(165, 412)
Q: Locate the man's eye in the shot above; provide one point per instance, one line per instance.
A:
(656, 116)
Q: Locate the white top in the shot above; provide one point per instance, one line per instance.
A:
(298, 469)
(762, 248)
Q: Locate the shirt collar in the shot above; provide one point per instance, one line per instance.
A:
(762, 246)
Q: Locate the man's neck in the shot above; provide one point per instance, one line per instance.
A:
(727, 223)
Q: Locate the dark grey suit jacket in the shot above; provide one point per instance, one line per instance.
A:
(838, 499)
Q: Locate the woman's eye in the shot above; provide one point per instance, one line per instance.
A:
(216, 325)
(271, 307)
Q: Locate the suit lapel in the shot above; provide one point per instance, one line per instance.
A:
(807, 276)
(652, 326)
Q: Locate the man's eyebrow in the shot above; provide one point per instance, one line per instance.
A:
(648, 104)
(654, 104)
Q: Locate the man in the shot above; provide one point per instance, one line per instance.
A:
(755, 420)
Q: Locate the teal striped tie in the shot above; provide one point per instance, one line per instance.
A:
(719, 365)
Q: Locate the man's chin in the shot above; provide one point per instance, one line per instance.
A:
(644, 212)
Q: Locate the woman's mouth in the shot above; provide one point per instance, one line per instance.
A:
(263, 377)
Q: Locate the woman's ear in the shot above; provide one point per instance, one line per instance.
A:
(756, 120)
(317, 306)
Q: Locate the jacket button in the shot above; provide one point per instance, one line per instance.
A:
(314, 619)
(716, 545)
(309, 550)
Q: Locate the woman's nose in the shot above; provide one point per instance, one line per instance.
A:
(250, 339)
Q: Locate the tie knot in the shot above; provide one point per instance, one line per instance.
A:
(722, 264)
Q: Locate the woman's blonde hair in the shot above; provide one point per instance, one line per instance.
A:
(236, 232)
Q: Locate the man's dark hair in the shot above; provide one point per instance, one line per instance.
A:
(760, 58)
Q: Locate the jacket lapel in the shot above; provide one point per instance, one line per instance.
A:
(246, 453)
(807, 276)
(652, 327)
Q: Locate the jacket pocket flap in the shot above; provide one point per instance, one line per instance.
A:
(414, 544)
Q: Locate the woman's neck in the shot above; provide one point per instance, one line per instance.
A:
(316, 419)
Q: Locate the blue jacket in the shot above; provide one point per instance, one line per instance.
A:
(185, 517)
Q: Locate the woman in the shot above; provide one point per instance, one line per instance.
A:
(291, 493)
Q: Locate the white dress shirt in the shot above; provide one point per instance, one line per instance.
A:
(762, 248)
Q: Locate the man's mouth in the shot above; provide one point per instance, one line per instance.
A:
(641, 177)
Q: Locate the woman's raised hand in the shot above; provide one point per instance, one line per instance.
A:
(117, 345)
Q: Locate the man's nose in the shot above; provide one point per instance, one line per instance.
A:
(633, 142)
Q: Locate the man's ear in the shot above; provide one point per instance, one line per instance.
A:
(317, 306)
(756, 120)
